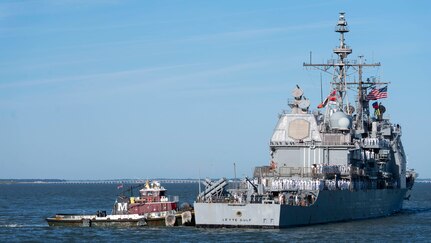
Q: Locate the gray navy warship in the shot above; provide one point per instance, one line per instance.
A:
(342, 162)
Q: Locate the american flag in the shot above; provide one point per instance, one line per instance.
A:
(376, 94)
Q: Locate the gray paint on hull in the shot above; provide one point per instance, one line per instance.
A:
(331, 206)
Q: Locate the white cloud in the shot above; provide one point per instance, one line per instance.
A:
(97, 76)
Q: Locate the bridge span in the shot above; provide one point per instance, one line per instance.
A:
(125, 181)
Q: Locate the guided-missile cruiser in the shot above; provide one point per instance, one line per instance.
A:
(343, 161)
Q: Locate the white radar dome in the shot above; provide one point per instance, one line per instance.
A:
(339, 120)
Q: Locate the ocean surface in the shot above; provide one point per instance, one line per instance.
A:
(23, 208)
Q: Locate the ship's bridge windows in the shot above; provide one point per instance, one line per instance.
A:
(147, 193)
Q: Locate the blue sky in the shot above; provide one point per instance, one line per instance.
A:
(144, 89)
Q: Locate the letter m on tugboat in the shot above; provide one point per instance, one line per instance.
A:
(121, 207)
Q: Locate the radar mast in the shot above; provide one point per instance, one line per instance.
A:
(339, 77)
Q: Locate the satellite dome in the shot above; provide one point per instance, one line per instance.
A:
(339, 120)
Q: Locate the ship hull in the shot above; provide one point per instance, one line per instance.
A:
(331, 206)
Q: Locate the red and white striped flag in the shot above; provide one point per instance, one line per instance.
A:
(376, 94)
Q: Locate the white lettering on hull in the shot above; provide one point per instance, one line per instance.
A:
(121, 206)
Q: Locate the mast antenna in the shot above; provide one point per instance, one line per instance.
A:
(311, 53)
(321, 88)
(199, 180)
(234, 171)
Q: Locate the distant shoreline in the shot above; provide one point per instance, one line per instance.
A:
(112, 181)
(115, 181)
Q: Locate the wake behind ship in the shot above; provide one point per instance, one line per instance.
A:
(344, 161)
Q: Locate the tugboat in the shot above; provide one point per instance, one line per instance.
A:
(152, 208)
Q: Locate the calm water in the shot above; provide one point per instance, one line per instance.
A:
(24, 207)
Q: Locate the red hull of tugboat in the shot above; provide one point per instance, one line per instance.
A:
(144, 208)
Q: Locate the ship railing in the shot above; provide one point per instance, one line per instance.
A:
(317, 171)
(295, 184)
(239, 200)
(342, 144)
(311, 144)
(288, 171)
(341, 28)
(341, 50)
(285, 171)
(375, 143)
(332, 169)
(290, 184)
(218, 199)
(237, 185)
(263, 171)
(313, 185)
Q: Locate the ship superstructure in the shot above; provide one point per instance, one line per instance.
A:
(152, 202)
(342, 163)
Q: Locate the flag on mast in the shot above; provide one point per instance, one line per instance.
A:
(376, 94)
(331, 97)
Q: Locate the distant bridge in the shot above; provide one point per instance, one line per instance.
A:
(124, 181)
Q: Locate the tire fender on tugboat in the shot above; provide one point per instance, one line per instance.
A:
(170, 220)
